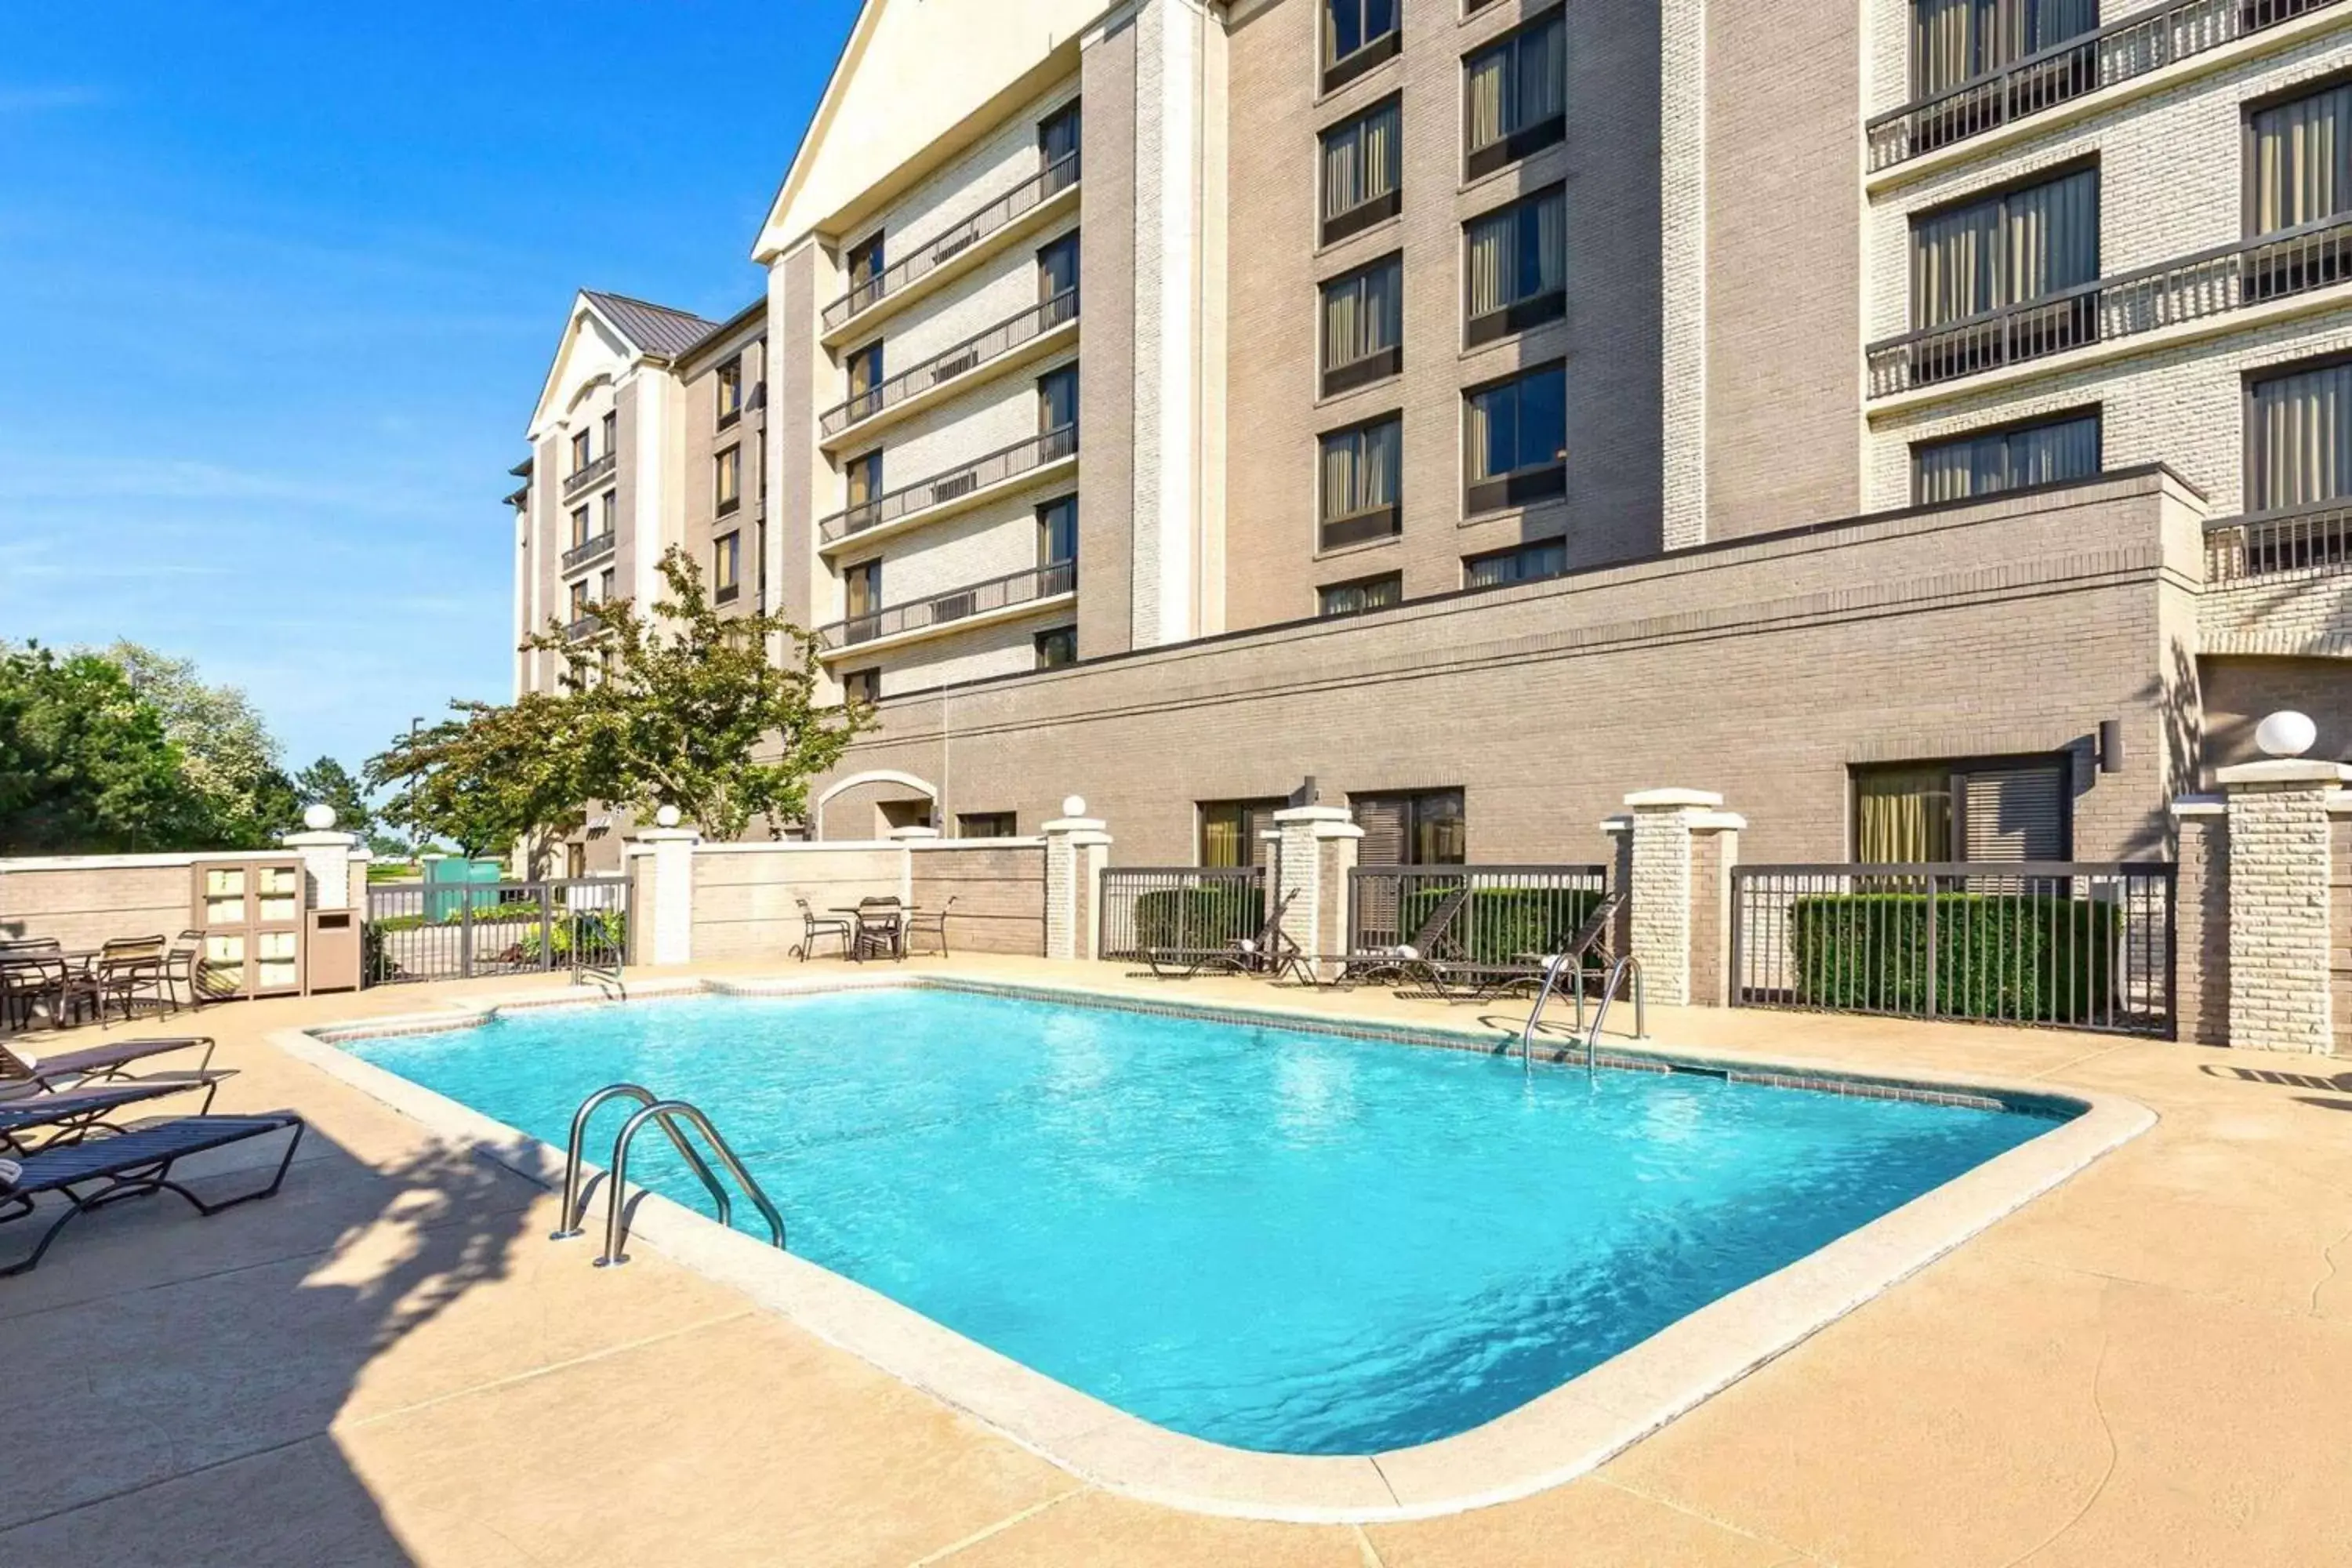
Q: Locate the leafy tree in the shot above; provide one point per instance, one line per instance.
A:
(491, 777)
(86, 764)
(328, 781)
(228, 754)
(685, 707)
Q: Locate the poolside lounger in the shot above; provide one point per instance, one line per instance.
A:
(1460, 981)
(133, 1163)
(57, 1070)
(1405, 959)
(1268, 951)
(72, 1115)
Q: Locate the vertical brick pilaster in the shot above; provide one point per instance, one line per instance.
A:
(1076, 847)
(1660, 888)
(2282, 855)
(326, 866)
(2200, 914)
(1715, 850)
(1317, 851)
(670, 898)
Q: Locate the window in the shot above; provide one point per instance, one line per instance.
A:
(580, 599)
(1999, 808)
(1057, 532)
(1363, 593)
(1360, 478)
(864, 369)
(579, 450)
(1524, 563)
(1515, 439)
(1362, 170)
(2042, 453)
(861, 686)
(1057, 648)
(1516, 264)
(579, 525)
(2298, 172)
(988, 824)
(862, 588)
(1058, 135)
(1057, 399)
(1058, 269)
(611, 506)
(607, 581)
(2008, 248)
(726, 567)
(611, 425)
(1363, 326)
(1357, 35)
(731, 392)
(1230, 831)
(1515, 95)
(864, 263)
(863, 475)
(727, 479)
(2299, 437)
(1953, 41)
(1422, 827)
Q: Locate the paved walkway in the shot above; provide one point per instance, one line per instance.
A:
(388, 1363)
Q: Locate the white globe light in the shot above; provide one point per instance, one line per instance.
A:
(2286, 733)
(319, 816)
(667, 816)
(1074, 805)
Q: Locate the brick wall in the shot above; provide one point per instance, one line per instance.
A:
(83, 901)
(2339, 944)
(999, 893)
(2202, 929)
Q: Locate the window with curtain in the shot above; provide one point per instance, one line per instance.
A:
(580, 600)
(864, 263)
(726, 479)
(1057, 531)
(1229, 829)
(1420, 827)
(1363, 593)
(2298, 436)
(1997, 808)
(1057, 399)
(861, 686)
(2301, 160)
(579, 525)
(726, 566)
(611, 506)
(863, 368)
(611, 423)
(1058, 134)
(1357, 35)
(2042, 453)
(864, 474)
(1515, 94)
(987, 824)
(1514, 267)
(1363, 325)
(1954, 41)
(2007, 248)
(580, 450)
(1363, 166)
(1057, 268)
(1057, 648)
(1515, 438)
(1523, 564)
(862, 586)
(731, 390)
(1360, 481)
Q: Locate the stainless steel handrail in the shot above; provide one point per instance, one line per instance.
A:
(1553, 967)
(1608, 992)
(573, 1203)
(668, 1112)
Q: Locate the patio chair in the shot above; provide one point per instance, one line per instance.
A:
(184, 964)
(881, 930)
(99, 1064)
(1267, 951)
(814, 925)
(74, 1114)
(135, 1163)
(932, 923)
(128, 970)
(1404, 959)
(36, 975)
(1464, 981)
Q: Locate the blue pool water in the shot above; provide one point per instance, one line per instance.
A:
(1285, 1241)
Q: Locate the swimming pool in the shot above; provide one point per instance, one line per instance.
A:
(1293, 1242)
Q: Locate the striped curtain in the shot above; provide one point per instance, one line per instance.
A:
(1519, 82)
(1954, 270)
(1489, 255)
(1343, 330)
(2303, 161)
(1363, 315)
(1551, 243)
(1360, 469)
(1480, 417)
(1953, 41)
(1483, 113)
(1980, 465)
(1901, 816)
(1359, 161)
(2301, 433)
(2049, 453)
(1342, 154)
(2005, 250)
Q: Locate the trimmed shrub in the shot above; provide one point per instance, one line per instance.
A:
(1207, 916)
(1499, 924)
(601, 932)
(2028, 956)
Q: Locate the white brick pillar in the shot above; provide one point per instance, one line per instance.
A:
(2281, 844)
(670, 898)
(1316, 850)
(1663, 921)
(1077, 846)
(329, 856)
(1715, 851)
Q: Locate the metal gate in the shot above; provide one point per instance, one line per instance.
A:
(455, 931)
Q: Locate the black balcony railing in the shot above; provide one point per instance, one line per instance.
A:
(2132, 46)
(581, 478)
(949, 364)
(2315, 538)
(1031, 192)
(1003, 592)
(2210, 283)
(589, 550)
(1005, 463)
(585, 627)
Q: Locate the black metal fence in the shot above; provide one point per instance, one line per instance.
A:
(2062, 944)
(1513, 912)
(454, 931)
(1185, 908)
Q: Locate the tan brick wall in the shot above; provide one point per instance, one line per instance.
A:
(999, 893)
(2282, 846)
(1762, 669)
(2240, 693)
(2292, 613)
(1713, 854)
(2201, 931)
(1106, 379)
(2339, 944)
(83, 906)
(743, 904)
(705, 440)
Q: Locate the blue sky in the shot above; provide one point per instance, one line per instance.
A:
(281, 281)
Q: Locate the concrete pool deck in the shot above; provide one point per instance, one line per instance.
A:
(389, 1364)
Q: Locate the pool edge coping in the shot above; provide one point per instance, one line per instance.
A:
(1551, 1439)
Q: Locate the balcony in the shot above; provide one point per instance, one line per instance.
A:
(998, 345)
(2138, 44)
(2273, 269)
(589, 550)
(954, 486)
(1001, 220)
(586, 626)
(587, 477)
(2274, 544)
(999, 598)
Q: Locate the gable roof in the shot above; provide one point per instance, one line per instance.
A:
(654, 329)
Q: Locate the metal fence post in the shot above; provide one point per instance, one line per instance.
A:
(546, 927)
(466, 932)
(1935, 952)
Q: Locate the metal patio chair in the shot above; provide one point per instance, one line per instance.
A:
(133, 1163)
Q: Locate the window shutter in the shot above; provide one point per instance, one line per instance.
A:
(2014, 815)
(1383, 820)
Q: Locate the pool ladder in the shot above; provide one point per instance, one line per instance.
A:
(669, 1115)
(1618, 971)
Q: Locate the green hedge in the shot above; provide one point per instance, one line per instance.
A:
(606, 934)
(1499, 924)
(1999, 955)
(1202, 917)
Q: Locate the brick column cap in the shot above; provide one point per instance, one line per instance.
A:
(1671, 799)
(321, 840)
(1074, 825)
(2285, 771)
(1621, 823)
(666, 836)
(1718, 822)
(1314, 813)
(902, 835)
(2200, 806)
